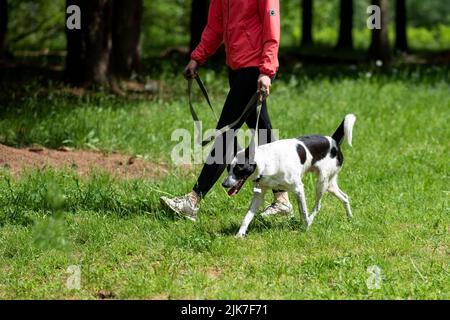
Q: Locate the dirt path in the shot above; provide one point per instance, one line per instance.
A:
(83, 161)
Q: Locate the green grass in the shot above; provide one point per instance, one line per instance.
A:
(396, 176)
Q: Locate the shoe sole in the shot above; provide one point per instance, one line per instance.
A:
(282, 213)
(175, 210)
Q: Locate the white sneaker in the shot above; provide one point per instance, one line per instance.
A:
(183, 206)
(277, 208)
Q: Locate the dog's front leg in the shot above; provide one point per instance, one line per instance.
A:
(258, 198)
(300, 193)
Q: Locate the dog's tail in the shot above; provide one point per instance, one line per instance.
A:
(345, 130)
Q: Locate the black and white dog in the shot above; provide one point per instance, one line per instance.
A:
(281, 165)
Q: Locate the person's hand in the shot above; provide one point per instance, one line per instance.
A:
(190, 72)
(264, 83)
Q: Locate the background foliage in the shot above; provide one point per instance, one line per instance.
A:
(166, 24)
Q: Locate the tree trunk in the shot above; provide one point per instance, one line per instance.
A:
(380, 48)
(345, 40)
(307, 22)
(73, 72)
(199, 18)
(88, 49)
(401, 41)
(3, 27)
(107, 46)
(126, 30)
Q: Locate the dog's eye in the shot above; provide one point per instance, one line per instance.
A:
(237, 169)
(243, 170)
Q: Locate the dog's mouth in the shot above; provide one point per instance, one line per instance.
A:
(237, 187)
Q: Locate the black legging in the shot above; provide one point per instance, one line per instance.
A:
(243, 84)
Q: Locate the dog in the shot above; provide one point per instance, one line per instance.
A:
(281, 165)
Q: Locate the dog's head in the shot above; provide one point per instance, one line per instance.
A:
(239, 170)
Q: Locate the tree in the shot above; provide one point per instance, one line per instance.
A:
(401, 41)
(107, 45)
(379, 48)
(199, 18)
(3, 27)
(88, 49)
(126, 31)
(307, 22)
(345, 40)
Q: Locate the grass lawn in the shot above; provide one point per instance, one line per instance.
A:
(396, 175)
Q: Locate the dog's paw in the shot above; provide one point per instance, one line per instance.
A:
(240, 235)
(308, 225)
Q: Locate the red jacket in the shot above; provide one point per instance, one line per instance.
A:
(250, 30)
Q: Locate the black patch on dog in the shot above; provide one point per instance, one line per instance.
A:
(339, 133)
(301, 153)
(243, 171)
(336, 152)
(340, 157)
(333, 152)
(317, 145)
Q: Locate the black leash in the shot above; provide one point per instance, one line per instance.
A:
(205, 94)
(254, 101)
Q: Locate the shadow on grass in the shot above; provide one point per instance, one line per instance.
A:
(261, 225)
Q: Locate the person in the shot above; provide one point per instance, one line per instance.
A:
(250, 30)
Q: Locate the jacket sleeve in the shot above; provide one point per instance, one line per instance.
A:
(269, 11)
(212, 36)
